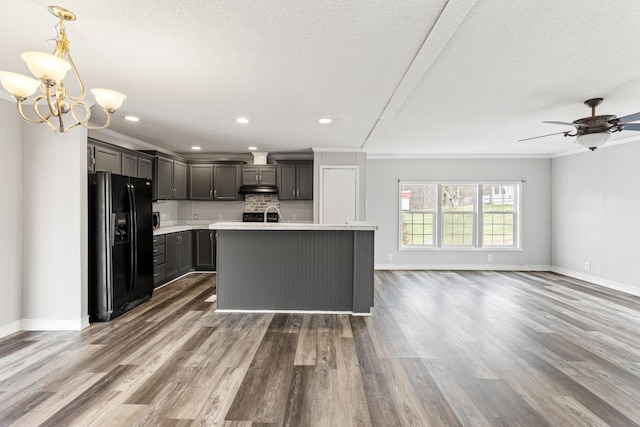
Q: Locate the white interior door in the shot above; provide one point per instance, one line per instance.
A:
(339, 194)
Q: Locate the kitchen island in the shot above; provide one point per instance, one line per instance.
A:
(294, 267)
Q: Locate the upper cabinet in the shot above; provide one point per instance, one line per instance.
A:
(170, 179)
(295, 181)
(106, 157)
(200, 182)
(226, 181)
(263, 175)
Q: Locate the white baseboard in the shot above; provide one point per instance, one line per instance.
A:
(9, 328)
(598, 281)
(54, 324)
(479, 267)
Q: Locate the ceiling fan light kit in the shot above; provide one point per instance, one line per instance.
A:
(592, 132)
(50, 70)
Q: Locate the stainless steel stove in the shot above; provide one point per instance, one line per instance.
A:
(259, 217)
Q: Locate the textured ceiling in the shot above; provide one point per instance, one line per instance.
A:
(457, 77)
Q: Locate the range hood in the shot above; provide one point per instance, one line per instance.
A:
(254, 189)
(259, 158)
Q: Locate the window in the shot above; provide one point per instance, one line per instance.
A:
(466, 215)
(498, 214)
(418, 209)
(458, 212)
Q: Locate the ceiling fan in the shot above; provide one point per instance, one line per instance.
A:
(592, 132)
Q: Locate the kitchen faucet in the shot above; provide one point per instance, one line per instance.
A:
(267, 210)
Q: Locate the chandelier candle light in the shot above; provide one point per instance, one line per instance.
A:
(50, 71)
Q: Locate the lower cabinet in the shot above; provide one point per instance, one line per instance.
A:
(159, 264)
(204, 250)
(178, 254)
(175, 254)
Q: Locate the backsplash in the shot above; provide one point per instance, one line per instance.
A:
(260, 202)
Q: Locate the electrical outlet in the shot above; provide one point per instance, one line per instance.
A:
(490, 257)
(293, 217)
(195, 216)
(587, 266)
(220, 217)
(389, 257)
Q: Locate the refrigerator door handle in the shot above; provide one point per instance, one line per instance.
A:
(133, 234)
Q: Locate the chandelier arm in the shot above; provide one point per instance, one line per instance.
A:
(79, 121)
(104, 125)
(80, 82)
(24, 116)
(45, 119)
(60, 110)
(47, 96)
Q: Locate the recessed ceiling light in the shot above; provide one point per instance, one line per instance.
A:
(252, 148)
(195, 147)
(325, 121)
(242, 120)
(132, 118)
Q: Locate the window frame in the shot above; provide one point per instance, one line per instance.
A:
(478, 217)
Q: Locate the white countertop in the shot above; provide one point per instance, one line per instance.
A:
(239, 225)
(349, 226)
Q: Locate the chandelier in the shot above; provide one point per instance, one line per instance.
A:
(50, 70)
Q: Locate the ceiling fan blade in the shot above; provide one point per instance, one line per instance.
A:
(630, 126)
(543, 136)
(630, 118)
(564, 123)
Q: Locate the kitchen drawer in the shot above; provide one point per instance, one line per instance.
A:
(158, 259)
(158, 250)
(158, 240)
(159, 274)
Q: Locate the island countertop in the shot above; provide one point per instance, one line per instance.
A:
(283, 226)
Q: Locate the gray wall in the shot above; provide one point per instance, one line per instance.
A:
(55, 272)
(382, 210)
(10, 218)
(596, 210)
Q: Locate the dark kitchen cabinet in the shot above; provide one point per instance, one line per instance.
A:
(259, 175)
(226, 180)
(177, 254)
(170, 179)
(204, 250)
(102, 156)
(159, 261)
(145, 168)
(295, 181)
(129, 165)
(200, 182)
(107, 159)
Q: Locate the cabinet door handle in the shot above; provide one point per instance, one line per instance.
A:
(211, 236)
(156, 274)
(215, 193)
(297, 194)
(155, 260)
(93, 161)
(257, 180)
(211, 193)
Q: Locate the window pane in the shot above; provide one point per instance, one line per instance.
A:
(498, 206)
(417, 205)
(458, 209)
(457, 229)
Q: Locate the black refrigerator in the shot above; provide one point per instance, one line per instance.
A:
(120, 244)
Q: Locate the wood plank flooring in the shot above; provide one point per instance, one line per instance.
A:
(442, 348)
